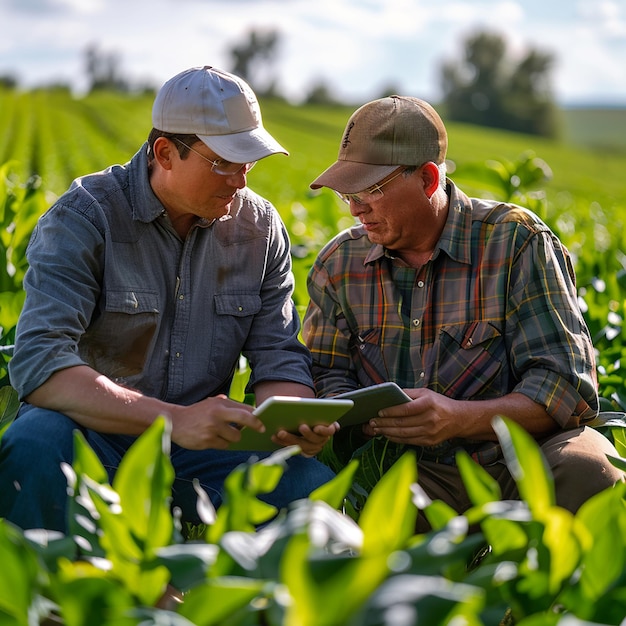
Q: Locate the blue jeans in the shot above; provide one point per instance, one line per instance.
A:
(33, 489)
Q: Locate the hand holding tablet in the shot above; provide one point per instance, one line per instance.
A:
(288, 412)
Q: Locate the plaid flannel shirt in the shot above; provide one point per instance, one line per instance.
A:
(494, 311)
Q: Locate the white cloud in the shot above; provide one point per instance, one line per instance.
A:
(355, 46)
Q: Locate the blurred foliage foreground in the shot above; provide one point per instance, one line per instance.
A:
(129, 560)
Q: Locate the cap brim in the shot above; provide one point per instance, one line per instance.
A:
(244, 147)
(352, 177)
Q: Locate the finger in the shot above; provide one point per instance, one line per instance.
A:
(243, 419)
(286, 438)
(307, 448)
(326, 430)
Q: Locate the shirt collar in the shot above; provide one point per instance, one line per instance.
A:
(456, 237)
(146, 206)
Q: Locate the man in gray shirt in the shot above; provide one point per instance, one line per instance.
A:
(146, 283)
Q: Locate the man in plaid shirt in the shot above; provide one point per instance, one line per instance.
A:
(470, 305)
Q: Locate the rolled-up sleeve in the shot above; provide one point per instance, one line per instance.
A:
(551, 352)
(273, 347)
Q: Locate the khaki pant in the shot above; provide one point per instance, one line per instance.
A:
(577, 459)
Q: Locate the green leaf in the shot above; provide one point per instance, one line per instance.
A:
(325, 589)
(526, 464)
(18, 575)
(389, 515)
(562, 538)
(620, 463)
(481, 486)
(424, 600)
(219, 601)
(88, 595)
(144, 483)
(9, 405)
(439, 514)
(86, 462)
(241, 508)
(619, 440)
(334, 491)
(604, 559)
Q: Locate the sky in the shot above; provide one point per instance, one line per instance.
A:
(358, 48)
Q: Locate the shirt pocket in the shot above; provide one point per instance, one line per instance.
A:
(118, 340)
(234, 314)
(368, 358)
(468, 362)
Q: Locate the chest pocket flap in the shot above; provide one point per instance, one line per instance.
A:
(237, 304)
(472, 335)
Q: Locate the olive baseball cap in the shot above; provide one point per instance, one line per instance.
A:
(220, 108)
(379, 137)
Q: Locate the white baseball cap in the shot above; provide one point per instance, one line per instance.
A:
(220, 108)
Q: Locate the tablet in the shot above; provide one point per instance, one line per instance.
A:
(287, 413)
(369, 400)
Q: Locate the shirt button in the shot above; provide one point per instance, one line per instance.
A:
(422, 374)
(420, 283)
(181, 297)
(178, 355)
(416, 322)
(240, 308)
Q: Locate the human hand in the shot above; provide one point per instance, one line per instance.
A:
(427, 420)
(311, 439)
(214, 422)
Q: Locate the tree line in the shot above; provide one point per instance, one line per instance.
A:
(487, 86)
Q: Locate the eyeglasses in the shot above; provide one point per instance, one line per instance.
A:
(375, 192)
(221, 166)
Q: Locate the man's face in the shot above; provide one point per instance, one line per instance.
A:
(194, 188)
(407, 216)
(391, 218)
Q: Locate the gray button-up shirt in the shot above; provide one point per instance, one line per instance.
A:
(111, 284)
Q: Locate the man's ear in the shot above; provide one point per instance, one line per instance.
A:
(430, 175)
(162, 150)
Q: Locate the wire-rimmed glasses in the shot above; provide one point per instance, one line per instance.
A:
(222, 166)
(370, 194)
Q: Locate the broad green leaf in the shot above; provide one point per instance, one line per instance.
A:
(86, 461)
(134, 523)
(481, 487)
(241, 509)
(325, 589)
(334, 491)
(439, 514)
(218, 601)
(619, 440)
(389, 515)
(18, 575)
(144, 482)
(188, 563)
(526, 464)
(604, 561)
(561, 538)
(88, 595)
(9, 405)
(86, 472)
(620, 463)
(423, 600)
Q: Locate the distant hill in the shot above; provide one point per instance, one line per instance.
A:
(596, 128)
